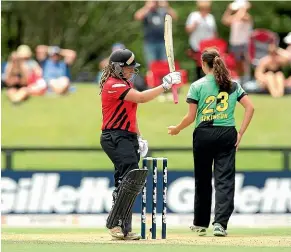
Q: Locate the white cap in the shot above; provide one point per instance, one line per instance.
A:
(24, 51)
(287, 39)
(237, 4)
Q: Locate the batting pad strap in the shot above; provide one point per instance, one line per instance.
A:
(131, 185)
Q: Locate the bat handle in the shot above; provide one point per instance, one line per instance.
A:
(175, 94)
(174, 88)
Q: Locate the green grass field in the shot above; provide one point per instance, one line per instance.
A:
(74, 120)
(92, 240)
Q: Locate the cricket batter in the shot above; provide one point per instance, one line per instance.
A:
(212, 100)
(121, 139)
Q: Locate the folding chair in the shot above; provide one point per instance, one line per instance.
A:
(158, 69)
(222, 47)
(259, 44)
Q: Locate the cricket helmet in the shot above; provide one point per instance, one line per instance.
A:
(124, 58)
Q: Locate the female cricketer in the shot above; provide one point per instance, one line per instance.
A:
(212, 100)
(120, 138)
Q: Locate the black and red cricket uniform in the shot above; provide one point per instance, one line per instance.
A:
(118, 113)
(119, 129)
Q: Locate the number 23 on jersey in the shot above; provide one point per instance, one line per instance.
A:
(220, 107)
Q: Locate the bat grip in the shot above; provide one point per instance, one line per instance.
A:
(174, 88)
(175, 94)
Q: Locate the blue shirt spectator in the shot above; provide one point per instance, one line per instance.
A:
(53, 69)
(67, 55)
(153, 17)
(154, 25)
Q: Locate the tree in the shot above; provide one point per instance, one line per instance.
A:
(91, 28)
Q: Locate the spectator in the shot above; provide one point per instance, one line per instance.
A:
(240, 22)
(287, 41)
(104, 61)
(36, 84)
(269, 72)
(117, 46)
(200, 25)
(287, 54)
(16, 79)
(68, 55)
(3, 69)
(56, 70)
(153, 15)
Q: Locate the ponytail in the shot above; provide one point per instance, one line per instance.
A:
(106, 73)
(220, 72)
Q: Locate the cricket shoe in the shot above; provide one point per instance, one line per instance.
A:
(116, 233)
(218, 230)
(132, 236)
(201, 231)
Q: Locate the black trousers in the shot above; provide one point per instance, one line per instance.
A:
(214, 145)
(122, 149)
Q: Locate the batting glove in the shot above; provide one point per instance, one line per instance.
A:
(171, 79)
(143, 146)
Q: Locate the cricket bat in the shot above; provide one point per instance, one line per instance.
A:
(168, 37)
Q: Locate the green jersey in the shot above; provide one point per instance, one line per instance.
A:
(214, 106)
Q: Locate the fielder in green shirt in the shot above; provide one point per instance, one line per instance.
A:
(216, 107)
(212, 101)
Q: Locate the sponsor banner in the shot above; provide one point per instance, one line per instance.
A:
(91, 193)
(173, 220)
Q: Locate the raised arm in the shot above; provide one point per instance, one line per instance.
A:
(285, 56)
(148, 95)
(69, 55)
(142, 12)
(227, 17)
(145, 96)
(172, 13)
(170, 10)
(191, 23)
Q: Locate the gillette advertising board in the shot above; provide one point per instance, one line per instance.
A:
(91, 192)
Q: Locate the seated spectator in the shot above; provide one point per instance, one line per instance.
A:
(3, 68)
(68, 55)
(55, 70)
(287, 54)
(269, 72)
(16, 79)
(46, 55)
(36, 84)
(240, 22)
(287, 41)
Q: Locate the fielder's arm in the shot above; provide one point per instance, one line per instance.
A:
(189, 118)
